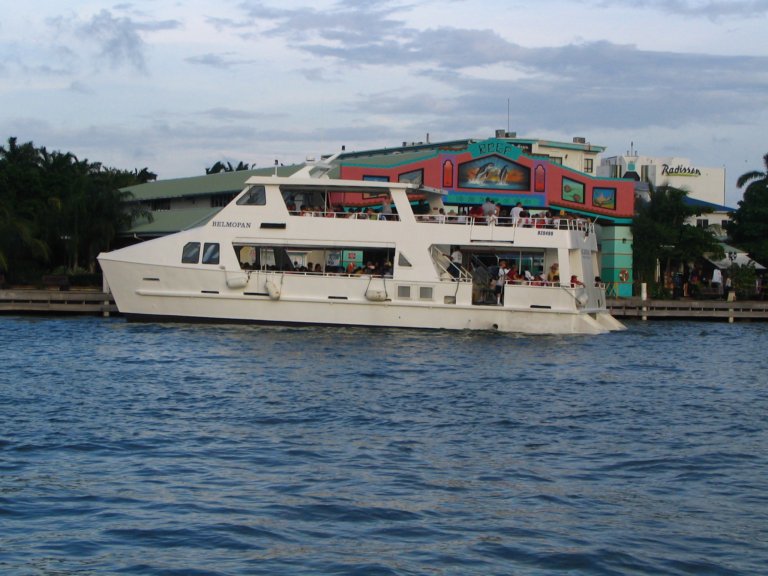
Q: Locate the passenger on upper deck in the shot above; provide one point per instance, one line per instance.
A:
(516, 212)
(489, 209)
(386, 209)
(476, 214)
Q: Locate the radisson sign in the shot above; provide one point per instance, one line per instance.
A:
(679, 170)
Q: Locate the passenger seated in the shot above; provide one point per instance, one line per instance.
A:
(514, 276)
(575, 281)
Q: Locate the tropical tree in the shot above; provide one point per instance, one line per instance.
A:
(221, 167)
(57, 211)
(21, 205)
(749, 223)
(662, 235)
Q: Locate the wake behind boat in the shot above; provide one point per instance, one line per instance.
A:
(304, 250)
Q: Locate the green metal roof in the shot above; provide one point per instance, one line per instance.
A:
(170, 221)
(205, 185)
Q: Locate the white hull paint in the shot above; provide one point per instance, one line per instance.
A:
(148, 280)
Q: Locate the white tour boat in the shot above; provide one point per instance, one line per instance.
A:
(305, 250)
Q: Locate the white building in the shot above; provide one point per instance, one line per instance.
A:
(702, 183)
(705, 185)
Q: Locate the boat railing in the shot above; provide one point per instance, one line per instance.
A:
(447, 268)
(578, 224)
(328, 271)
(320, 213)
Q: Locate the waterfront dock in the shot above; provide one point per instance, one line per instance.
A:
(83, 301)
(684, 309)
(77, 301)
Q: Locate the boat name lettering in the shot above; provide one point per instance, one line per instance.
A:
(546, 233)
(230, 224)
(679, 170)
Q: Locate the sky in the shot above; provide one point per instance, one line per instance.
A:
(175, 86)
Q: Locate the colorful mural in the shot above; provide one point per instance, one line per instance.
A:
(412, 177)
(495, 173)
(501, 170)
(572, 191)
(604, 198)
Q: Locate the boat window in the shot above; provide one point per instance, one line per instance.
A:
(403, 292)
(402, 260)
(191, 253)
(255, 196)
(425, 292)
(211, 253)
(347, 202)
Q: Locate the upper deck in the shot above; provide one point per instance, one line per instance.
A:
(342, 210)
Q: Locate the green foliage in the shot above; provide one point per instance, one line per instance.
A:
(749, 225)
(743, 280)
(660, 233)
(219, 166)
(57, 211)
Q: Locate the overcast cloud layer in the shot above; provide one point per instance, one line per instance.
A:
(177, 85)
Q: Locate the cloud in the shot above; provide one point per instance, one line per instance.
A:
(220, 61)
(353, 24)
(233, 114)
(120, 38)
(713, 9)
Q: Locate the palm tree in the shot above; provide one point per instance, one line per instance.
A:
(749, 224)
(660, 233)
(221, 167)
(759, 180)
(21, 205)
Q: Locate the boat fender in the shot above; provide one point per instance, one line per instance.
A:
(237, 281)
(376, 295)
(272, 289)
(624, 275)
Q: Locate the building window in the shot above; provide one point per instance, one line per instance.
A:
(702, 223)
(447, 174)
(589, 165)
(162, 204)
(644, 174)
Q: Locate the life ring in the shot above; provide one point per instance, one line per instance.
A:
(624, 275)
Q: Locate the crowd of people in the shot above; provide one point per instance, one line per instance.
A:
(488, 213)
(510, 274)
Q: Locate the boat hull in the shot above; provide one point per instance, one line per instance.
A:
(255, 303)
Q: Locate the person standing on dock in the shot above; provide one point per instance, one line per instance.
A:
(717, 280)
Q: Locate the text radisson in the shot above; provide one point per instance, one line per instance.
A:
(679, 170)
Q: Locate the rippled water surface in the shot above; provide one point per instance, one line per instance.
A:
(187, 449)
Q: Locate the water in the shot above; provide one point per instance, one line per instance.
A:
(185, 449)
